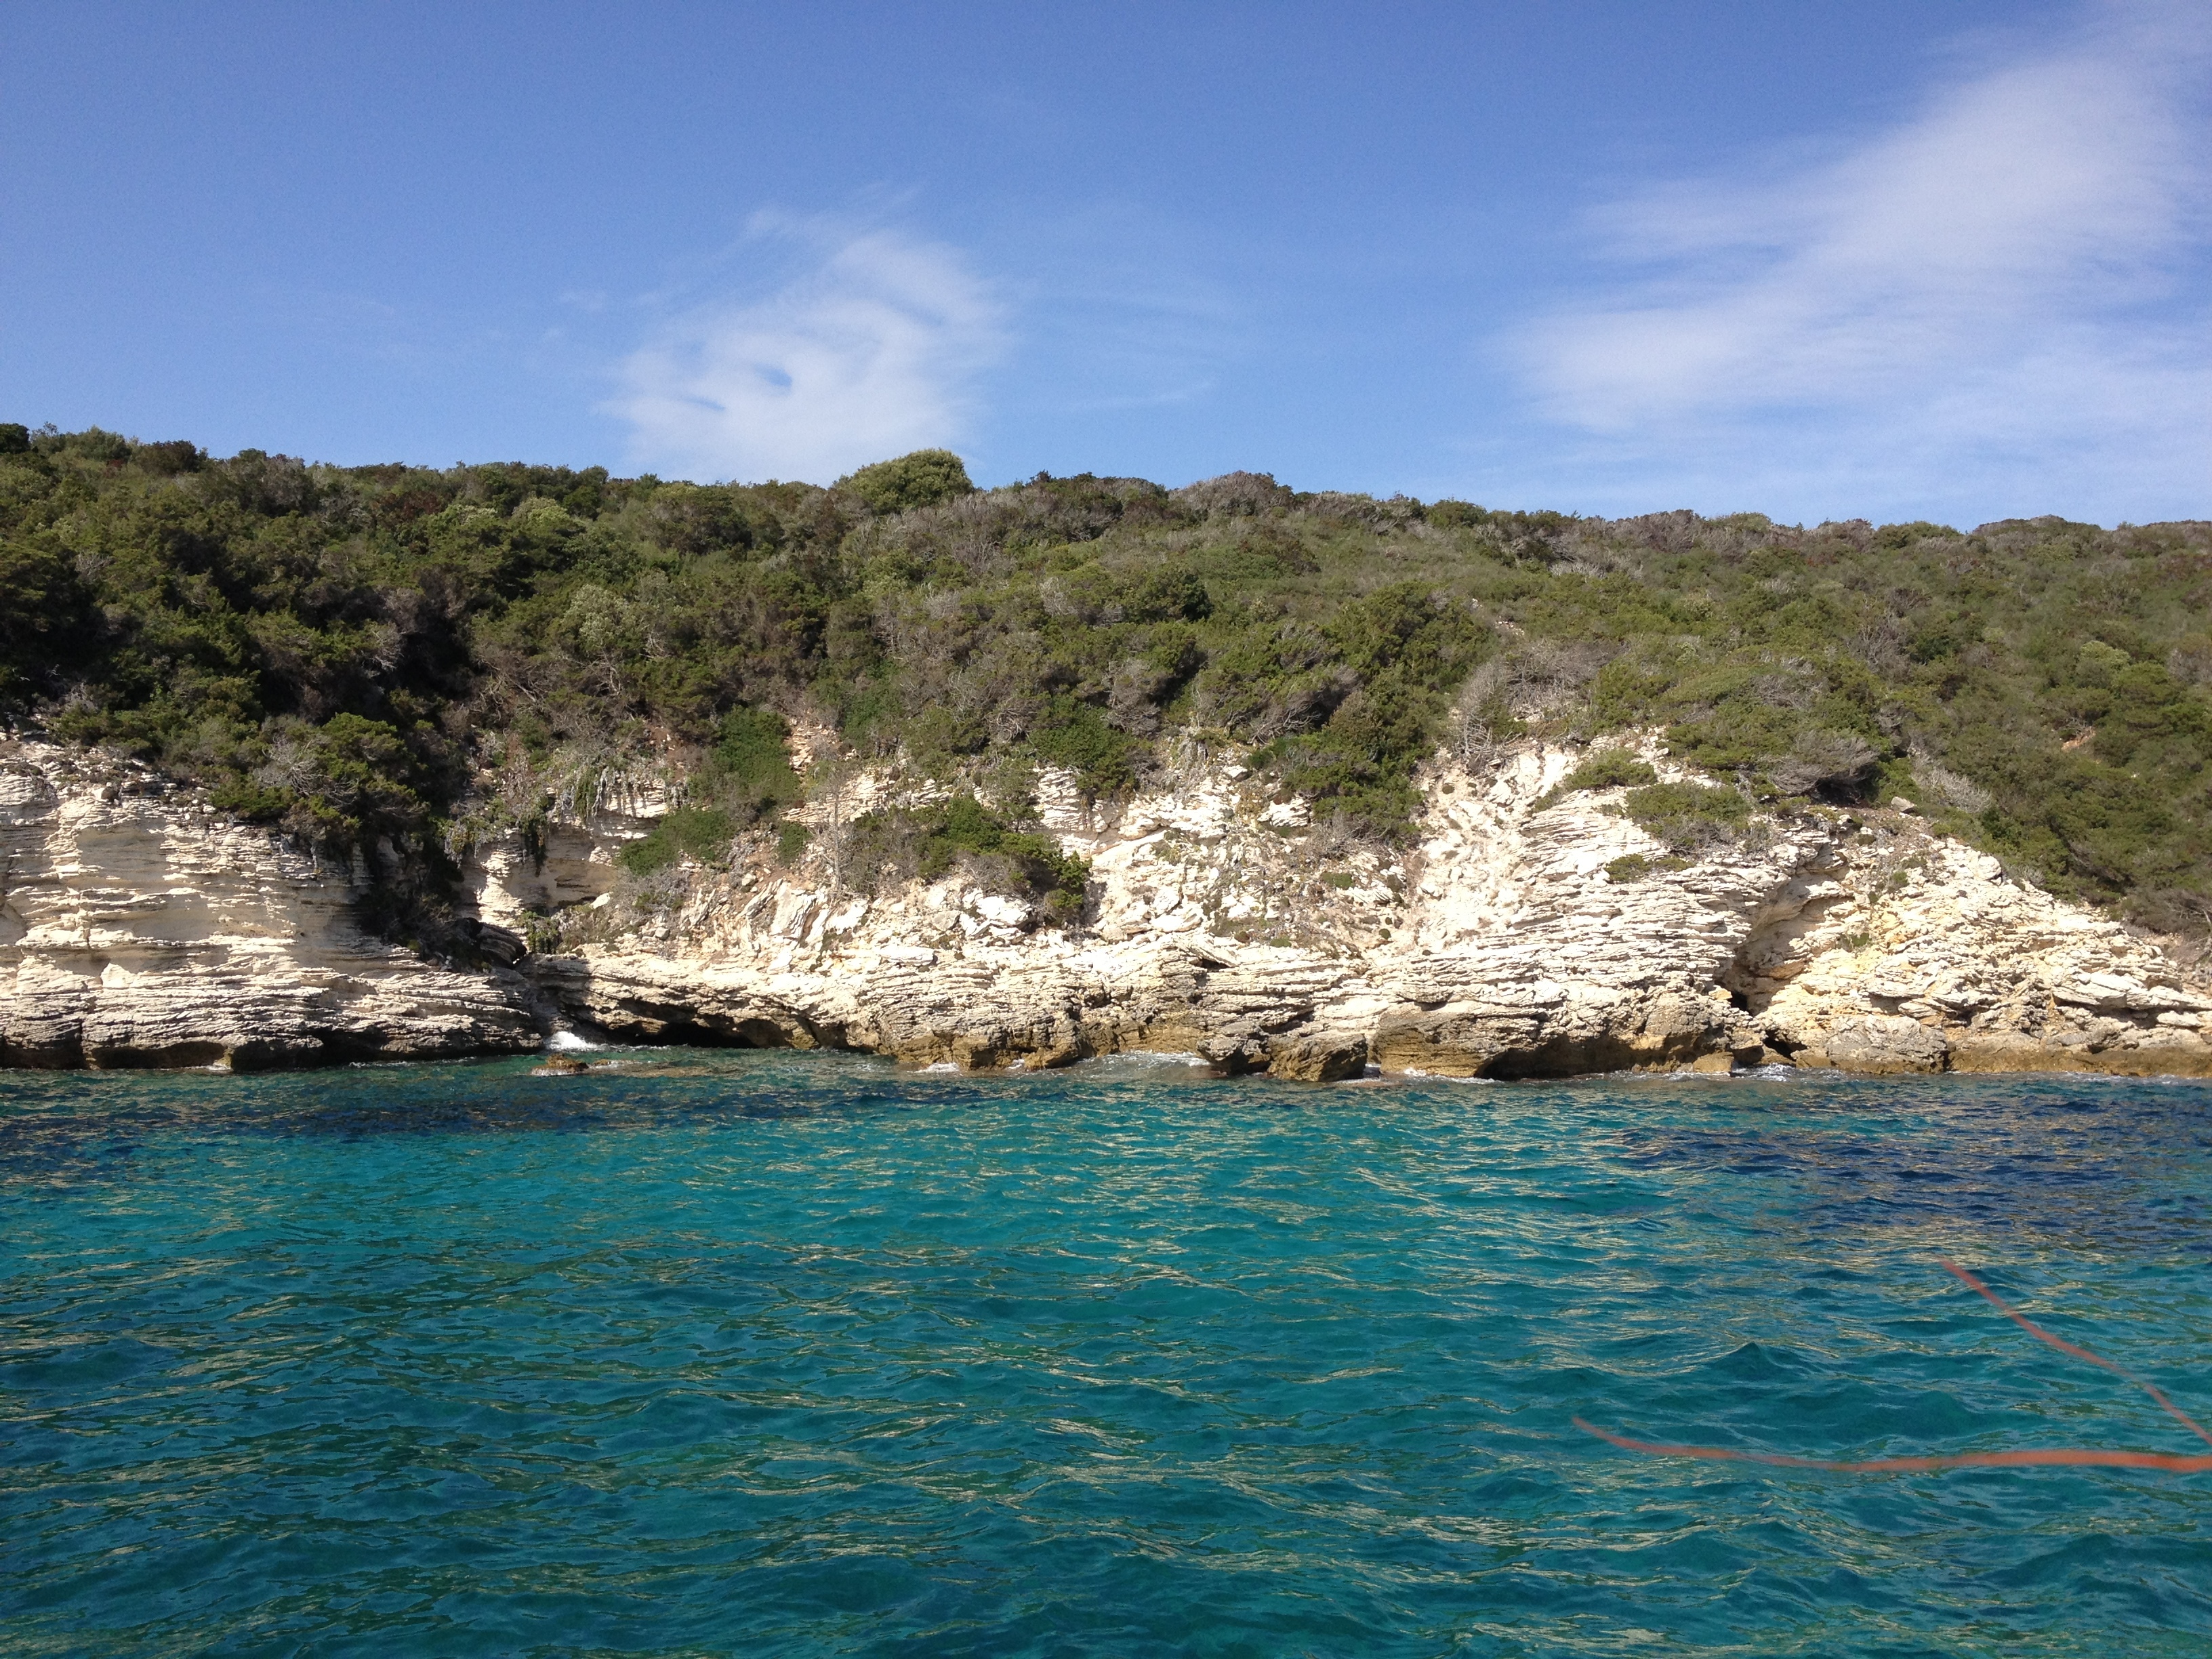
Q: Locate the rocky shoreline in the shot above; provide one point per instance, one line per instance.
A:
(139, 926)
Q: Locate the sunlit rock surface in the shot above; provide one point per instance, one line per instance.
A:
(1225, 924)
(141, 928)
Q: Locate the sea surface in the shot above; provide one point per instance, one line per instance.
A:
(750, 1353)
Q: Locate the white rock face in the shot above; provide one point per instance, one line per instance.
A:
(1905, 929)
(1504, 944)
(141, 927)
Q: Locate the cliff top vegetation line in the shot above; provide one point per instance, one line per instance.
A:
(347, 653)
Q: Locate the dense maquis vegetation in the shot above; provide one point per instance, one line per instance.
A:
(364, 656)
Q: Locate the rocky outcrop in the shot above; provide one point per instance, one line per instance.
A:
(1901, 951)
(138, 927)
(1529, 933)
(1514, 942)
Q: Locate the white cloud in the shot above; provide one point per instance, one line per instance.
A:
(1998, 306)
(870, 354)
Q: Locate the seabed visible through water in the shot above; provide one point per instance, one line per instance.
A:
(723, 1352)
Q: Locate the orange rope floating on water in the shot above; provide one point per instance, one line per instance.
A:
(2069, 1455)
(2064, 1346)
(2065, 1457)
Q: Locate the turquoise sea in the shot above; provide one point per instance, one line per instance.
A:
(740, 1352)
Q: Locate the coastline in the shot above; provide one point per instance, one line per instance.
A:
(144, 927)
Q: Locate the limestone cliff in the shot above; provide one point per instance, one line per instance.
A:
(1519, 938)
(140, 928)
(1508, 943)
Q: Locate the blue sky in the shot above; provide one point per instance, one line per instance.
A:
(1889, 261)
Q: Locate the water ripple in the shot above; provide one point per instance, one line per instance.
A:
(798, 1354)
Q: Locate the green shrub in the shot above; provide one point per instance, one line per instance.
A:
(1893, 536)
(748, 768)
(541, 934)
(1686, 816)
(1610, 769)
(700, 834)
(46, 615)
(1169, 595)
(791, 840)
(929, 842)
(1401, 651)
(921, 479)
(1076, 735)
(1607, 768)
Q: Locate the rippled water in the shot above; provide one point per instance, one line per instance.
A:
(793, 1354)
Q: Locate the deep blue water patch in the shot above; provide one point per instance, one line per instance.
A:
(742, 1352)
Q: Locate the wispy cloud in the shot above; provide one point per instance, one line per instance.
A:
(1999, 304)
(1126, 315)
(871, 352)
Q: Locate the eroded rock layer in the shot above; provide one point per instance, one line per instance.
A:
(1507, 945)
(140, 928)
(1529, 933)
